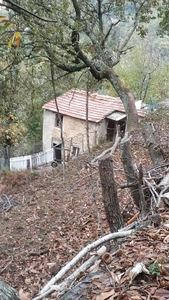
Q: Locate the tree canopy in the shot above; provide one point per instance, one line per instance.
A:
(77, 35)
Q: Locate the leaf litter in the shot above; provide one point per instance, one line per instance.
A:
(53, 218)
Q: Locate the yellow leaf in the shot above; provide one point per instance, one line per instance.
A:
(17, 38)
(10, 42)
(17, 34)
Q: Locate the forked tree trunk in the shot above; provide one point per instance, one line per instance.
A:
(109, 194)
(7, 292)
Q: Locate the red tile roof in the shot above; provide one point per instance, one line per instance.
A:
(73, 103)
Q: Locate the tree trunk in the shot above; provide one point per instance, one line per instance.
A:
(7, 292)
(106, 72)
(154, 148)
(109, 194)
(132, 179)
(127, 99)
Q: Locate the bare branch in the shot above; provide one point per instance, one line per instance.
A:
(6, 266)
(108, 32)
(48, 287)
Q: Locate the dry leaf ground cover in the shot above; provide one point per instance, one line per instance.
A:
(53, 217)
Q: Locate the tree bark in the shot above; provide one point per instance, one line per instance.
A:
(123, 92)
(7, 292)
(109, 194)
(154, 148)
(127, 99)
(133, 179)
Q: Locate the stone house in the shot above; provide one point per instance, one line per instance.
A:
(104, 113)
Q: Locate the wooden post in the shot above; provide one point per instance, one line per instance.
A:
(109, 194)
(82, 143)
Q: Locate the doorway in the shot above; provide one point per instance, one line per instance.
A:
(57, 148)
(111, 130)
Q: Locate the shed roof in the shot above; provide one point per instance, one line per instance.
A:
(73, 103)
(116, 116)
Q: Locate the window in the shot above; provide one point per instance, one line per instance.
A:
(58, 120)
(75, 151)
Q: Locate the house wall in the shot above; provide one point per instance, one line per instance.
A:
(102, 130)
(48, 125)
(74, 132)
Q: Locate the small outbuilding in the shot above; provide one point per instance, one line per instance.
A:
(103, 113)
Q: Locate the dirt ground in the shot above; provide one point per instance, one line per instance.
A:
(46, 217)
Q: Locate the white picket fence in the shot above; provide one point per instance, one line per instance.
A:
(31, 161)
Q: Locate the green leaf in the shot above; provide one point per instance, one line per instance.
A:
(5, 26)
(154, 269)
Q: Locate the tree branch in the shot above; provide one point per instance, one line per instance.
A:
(21, 10)
(48, 287)
(77, 9)
(100, 16)
(96, 73)
(108, 32)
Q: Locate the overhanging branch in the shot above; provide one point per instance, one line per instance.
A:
(21, 10)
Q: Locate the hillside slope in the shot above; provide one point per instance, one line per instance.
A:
(52, 217)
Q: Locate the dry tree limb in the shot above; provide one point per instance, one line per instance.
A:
(6, 266)
(110, 150)
(5, 203)
(77, 182)
(136, 270)
(152, 190)
(102, 154)
(48, 287)
(67, 283)
(43, 251)
(161, 194)
(117, 140)
(86, 265)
